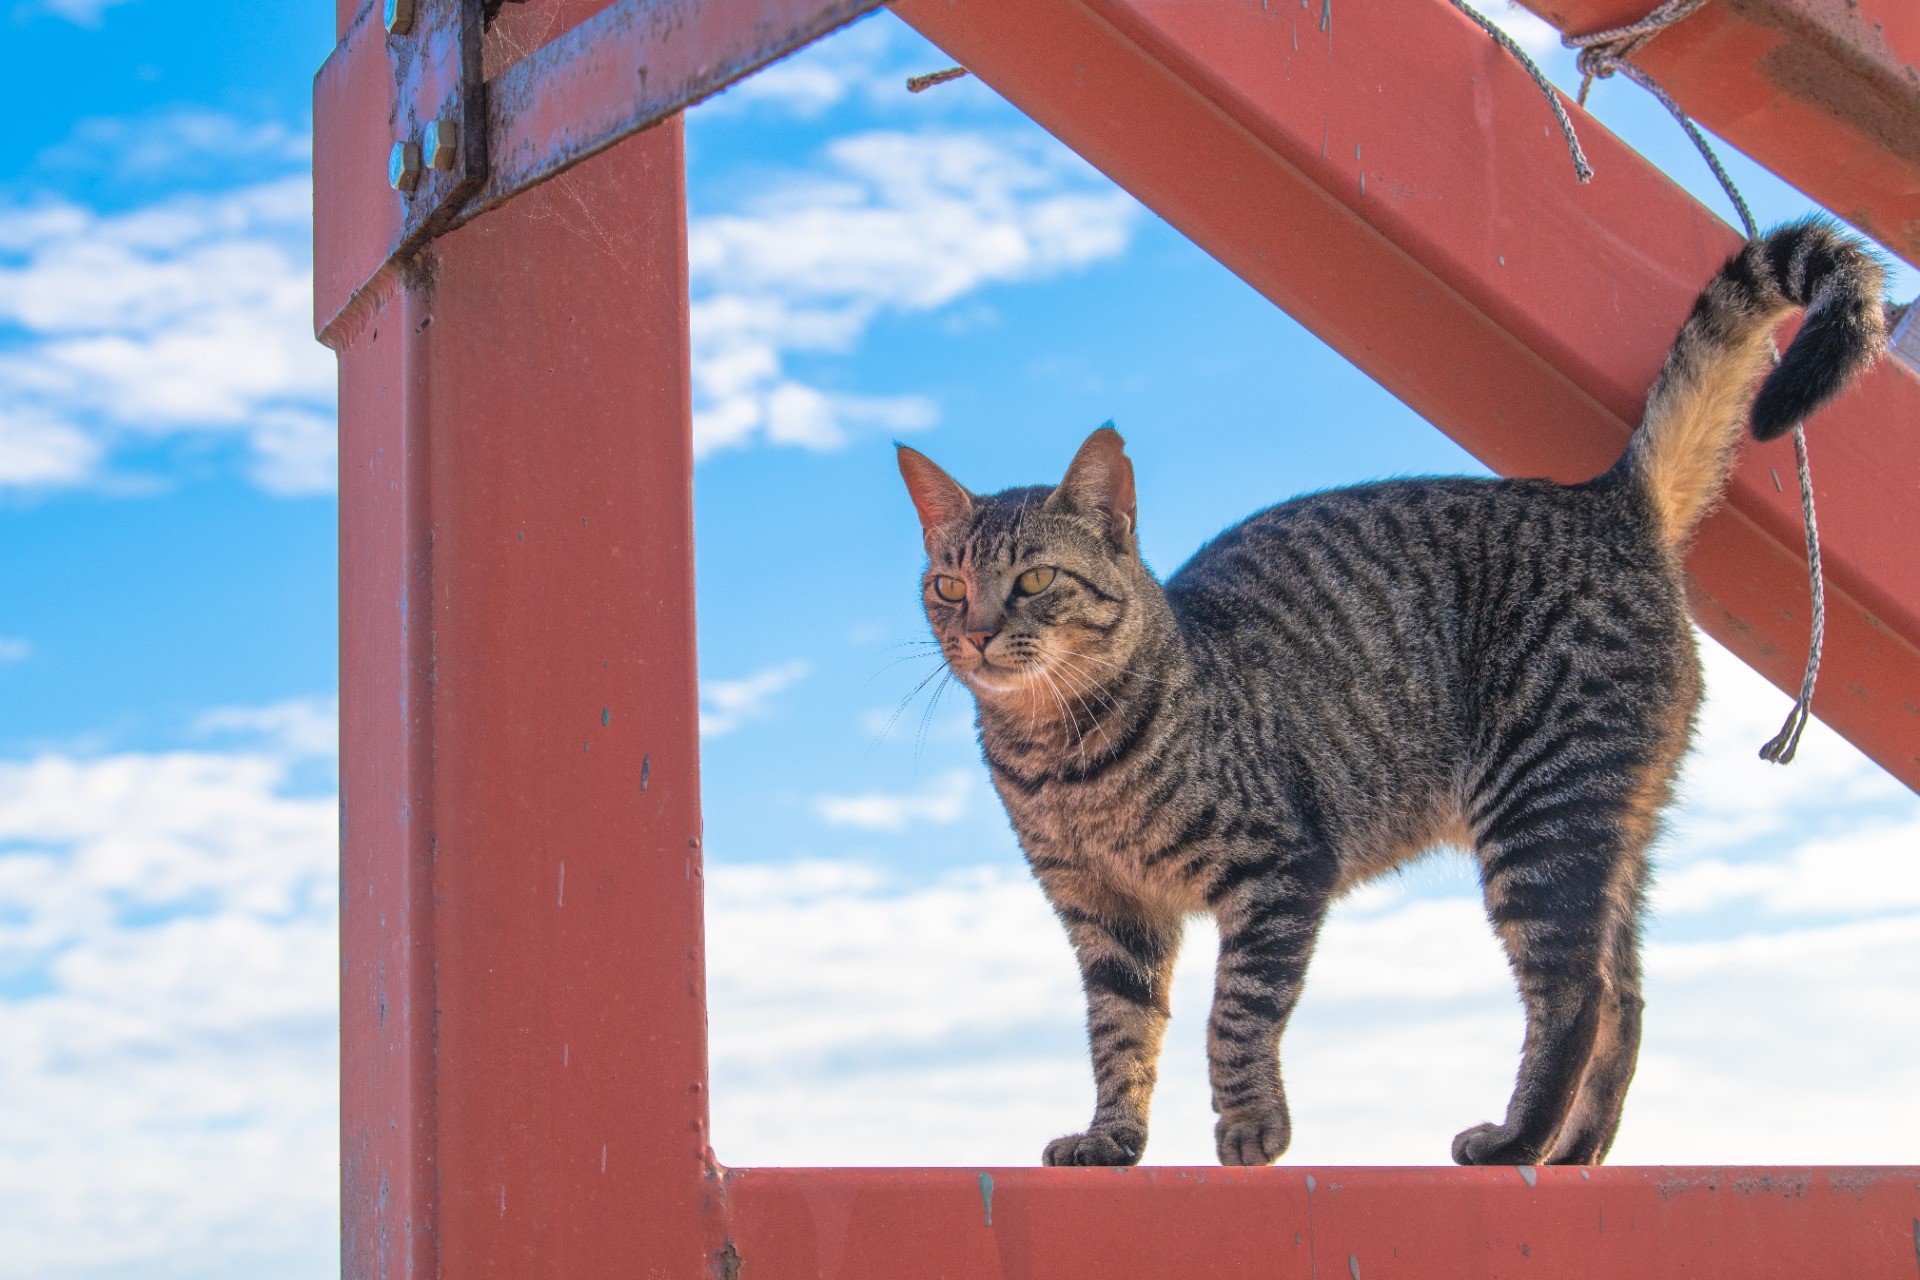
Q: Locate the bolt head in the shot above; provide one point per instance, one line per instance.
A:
(441, 144)
(398, 15)
(403, 166)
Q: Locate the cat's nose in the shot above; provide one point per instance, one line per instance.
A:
(981, 639)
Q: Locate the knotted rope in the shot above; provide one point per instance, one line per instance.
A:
(1602, 54)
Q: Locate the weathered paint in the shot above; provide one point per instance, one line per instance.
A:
(1538, 363)
(630, 65)
(602, 74)
(1383, 1223)
(515, 553)
(523, 1012)
(1826, 93)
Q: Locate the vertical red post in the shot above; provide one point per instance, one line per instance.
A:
(523, 1008)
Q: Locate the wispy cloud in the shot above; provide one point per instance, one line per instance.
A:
(185, 318)
(85, 13)
(725, 705)
(942, 800)
(14, 649)
(167, 974)
(179, 146)
(886, 223)
(297, 729)
(1529, 31)
(864, 1018)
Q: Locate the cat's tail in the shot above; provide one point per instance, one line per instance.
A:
(1686, 442)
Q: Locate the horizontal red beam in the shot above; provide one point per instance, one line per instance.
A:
(1394, 181)
(1826, 93)
(1367, 1224)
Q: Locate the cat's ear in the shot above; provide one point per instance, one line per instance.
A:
(1100, 483)
(936, 495)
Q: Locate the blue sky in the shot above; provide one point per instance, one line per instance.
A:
(886, 984)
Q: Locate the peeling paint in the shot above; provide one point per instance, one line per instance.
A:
(1529, 1175)
(986, 1195)
(1353, 1265)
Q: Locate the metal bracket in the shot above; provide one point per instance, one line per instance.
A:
(625, 67)
(440, 112)
(400, 141)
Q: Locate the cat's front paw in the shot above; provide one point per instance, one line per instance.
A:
(1492, 1144)
(1103, 1145)
(1253, 1136)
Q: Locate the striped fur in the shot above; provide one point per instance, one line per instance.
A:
(1688, 436)
(1336, 685)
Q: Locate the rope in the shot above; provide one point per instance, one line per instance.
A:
(1602, 53)
(1780, 749)
(1581, 169)
(920, 84)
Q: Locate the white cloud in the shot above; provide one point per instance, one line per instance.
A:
(725, 705)
(175, 145)
(85, 13)
(39, 451)
(298, 729)
(865, 63)
(1731, 796)
(187, 317)
(942, 800)
(860, 1019)
(1531, 32)
(888, 223)
(14, 649)
(168, 967)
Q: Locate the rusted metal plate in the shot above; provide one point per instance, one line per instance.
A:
(630, 66)
(618, 71)
(1826, 93)
(1367, 1224)
(523, 1008)
(1393, 180)
(379, 90)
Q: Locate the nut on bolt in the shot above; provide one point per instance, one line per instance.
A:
(403, 166)
(439, 145)
(399, 17)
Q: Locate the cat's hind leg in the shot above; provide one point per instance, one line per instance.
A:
(1554, 858)
(1590, 1128)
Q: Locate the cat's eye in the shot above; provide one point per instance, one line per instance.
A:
(952, 590)
(1033, 581)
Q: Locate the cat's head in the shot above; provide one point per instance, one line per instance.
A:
(1034, 594)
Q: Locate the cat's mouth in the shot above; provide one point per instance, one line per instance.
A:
(997, 678)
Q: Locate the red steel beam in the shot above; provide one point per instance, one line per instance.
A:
(1826, 93)
(1394, 181)
(598, 72)
(522, 1002)
(1367, 1224)
(523, 1023)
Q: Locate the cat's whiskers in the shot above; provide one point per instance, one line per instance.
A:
(900, 710)
(1082, 687)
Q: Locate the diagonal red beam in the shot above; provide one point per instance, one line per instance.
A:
(1826, 93)
(1394, 181)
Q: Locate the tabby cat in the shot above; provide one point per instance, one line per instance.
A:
(1341, 682)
